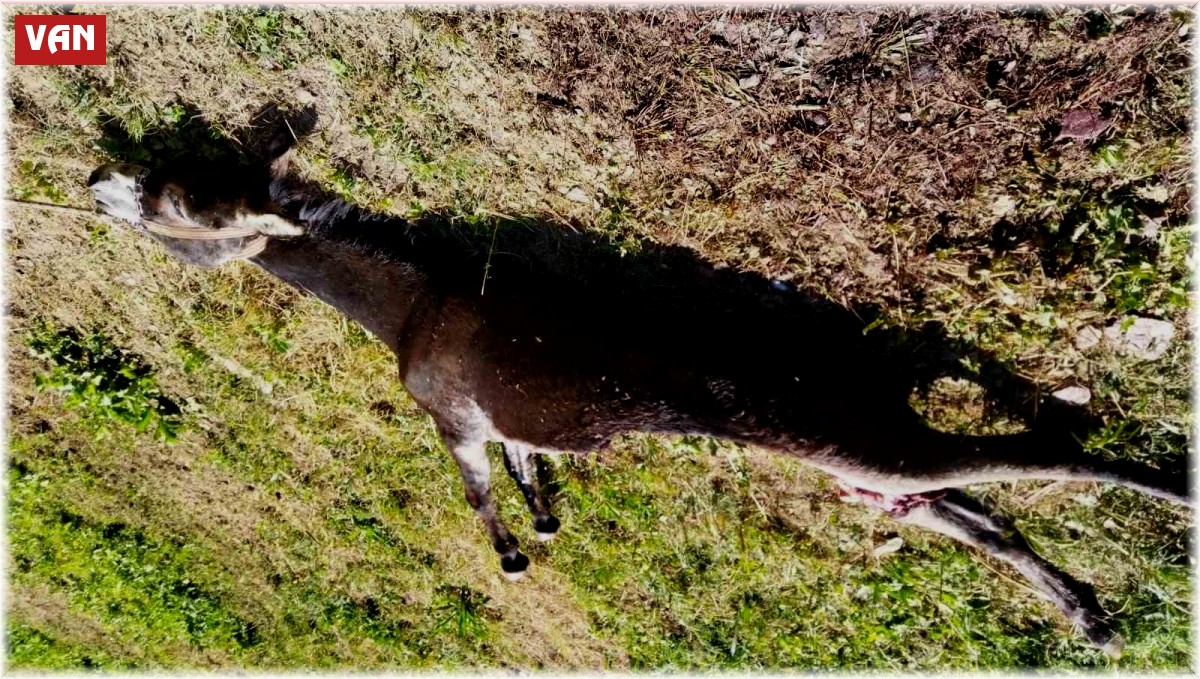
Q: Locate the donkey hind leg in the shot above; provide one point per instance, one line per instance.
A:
(523, 467)
(926, 460)
(471, 455)
(958, 516)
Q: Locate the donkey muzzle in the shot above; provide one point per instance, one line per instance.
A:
(117, 188)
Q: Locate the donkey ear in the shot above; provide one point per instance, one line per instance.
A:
(290, 126)
(270, 225)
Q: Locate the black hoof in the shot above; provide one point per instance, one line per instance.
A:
(514, 566)
(546, 527)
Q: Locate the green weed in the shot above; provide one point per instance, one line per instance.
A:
(34, 181)
(462, 611)
(102, 380)
(273, 336)
(265, 34)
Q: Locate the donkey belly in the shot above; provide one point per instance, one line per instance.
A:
(571, 410)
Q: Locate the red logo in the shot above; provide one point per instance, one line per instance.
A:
(61, 40)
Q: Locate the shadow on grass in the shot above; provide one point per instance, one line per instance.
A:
(629, 290)
(185, 137)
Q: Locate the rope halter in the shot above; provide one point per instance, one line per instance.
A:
(250, 249)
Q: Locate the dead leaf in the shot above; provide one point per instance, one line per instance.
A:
(1150, 226)
(577, 194)
(1156, 193)
(1003, 205)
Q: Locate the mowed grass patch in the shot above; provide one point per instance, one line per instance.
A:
(908, 160)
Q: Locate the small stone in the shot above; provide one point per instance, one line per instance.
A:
(1145, 338)
(578, 195)
(1075, 394)
(1003, 206)
(889, 547)
(1110, 524)
(905, 117)
(750, 81)
(1082, 124)
(1087, 338)
(819, 118)
(1150, 227)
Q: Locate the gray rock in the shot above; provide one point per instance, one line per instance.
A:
(1144, 338)
(1082, 124)
(1088, 338)
(578, 195)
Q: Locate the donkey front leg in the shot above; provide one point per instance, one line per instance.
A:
(958, 516)
(523, 467)
(471, 456)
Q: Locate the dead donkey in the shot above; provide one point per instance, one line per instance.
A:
(548, 344)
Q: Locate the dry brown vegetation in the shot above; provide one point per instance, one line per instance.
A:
(907, 158)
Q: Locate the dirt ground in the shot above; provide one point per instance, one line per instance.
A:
(1019, 178)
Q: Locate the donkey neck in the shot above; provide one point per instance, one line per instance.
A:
(377, 293)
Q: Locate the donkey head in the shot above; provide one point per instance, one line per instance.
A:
(205, 218)
(208, 213)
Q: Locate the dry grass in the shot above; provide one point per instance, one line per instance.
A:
(903, 158)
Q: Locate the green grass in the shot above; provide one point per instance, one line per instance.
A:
(27, 647)
(109, 384)
(211, 470)
(139, 588)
